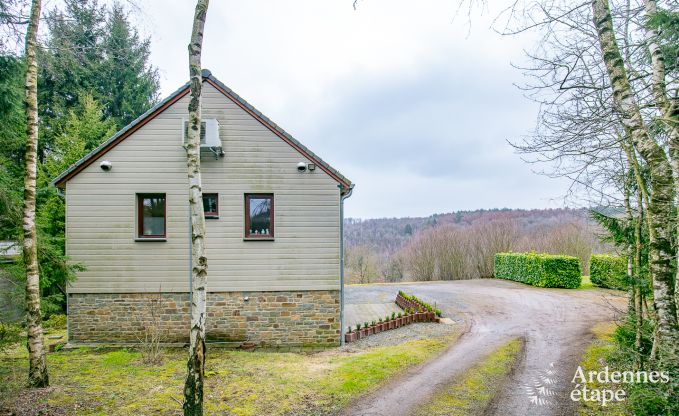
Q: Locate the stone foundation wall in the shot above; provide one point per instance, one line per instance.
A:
(299, 318)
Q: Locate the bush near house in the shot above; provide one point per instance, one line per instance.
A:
(608, 271)
(542, 270)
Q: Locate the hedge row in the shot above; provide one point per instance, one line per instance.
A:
(542, 270)
(608, 271)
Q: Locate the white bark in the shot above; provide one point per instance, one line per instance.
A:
(668, 106)
(661, 198)
(193, 388)
(37, 374)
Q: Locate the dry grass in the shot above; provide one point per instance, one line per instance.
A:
(472, 392)
(595, 359)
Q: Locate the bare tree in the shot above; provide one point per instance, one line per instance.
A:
(451, 248)
(486, 240)
(193, 388)
(594, 82)
(362, 263)
(668, 106)
(420, 256)
(661, 203)
(37, 374)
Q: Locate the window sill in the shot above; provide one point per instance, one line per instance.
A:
(144, 240)
(258, 239)
(212, 217)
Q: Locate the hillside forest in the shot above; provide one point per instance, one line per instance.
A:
(462, 244)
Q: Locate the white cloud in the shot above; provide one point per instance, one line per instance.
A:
(395, 95)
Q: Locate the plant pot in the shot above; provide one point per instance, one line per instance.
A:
(437, 319)
(350, 337)
(362, 333)
(377, 328)
(431, 316)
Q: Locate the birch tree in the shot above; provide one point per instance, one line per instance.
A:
(37, 373)
(193, 388)
(661, 202)
(667, 106)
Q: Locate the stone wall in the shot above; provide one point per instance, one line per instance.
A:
(269, 319)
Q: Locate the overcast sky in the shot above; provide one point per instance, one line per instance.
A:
(408, 101)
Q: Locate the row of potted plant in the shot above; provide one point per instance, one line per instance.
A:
(396, 320)
(406, 301)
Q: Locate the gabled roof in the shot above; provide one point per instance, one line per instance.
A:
(60, 181)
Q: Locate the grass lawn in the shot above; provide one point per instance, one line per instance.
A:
(586, 283)
(473, 391)
(89, 381)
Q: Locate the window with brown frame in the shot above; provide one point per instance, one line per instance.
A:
(211, 205)
(259, 214)
(151, 216)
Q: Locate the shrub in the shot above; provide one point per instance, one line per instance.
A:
(56, 322)
(542, 270)
(608, 271)
(10, 334)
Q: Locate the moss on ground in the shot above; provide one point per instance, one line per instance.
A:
(586, 283)
(98, 381)
(596, 357)
(472, 392)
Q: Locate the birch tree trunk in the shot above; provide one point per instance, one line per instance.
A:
(661, 201)
(668, 106)
(193, 388)
(37, 372)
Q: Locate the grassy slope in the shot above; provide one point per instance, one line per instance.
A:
(115, 382)
(473, 391)
(595, 359)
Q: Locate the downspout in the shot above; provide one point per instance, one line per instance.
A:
(62, 195)
(190, 227)
(347, 193)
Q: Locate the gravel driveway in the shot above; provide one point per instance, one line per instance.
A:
(555, 324)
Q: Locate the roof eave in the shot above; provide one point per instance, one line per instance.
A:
(60, 181)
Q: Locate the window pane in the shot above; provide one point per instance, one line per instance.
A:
(210, 204)
(153, 215)
(260, 216)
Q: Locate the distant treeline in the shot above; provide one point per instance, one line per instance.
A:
(461, 245)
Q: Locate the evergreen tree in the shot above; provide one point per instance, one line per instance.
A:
(128, 80)
(93, 50)
(12, 119)
(84, 129)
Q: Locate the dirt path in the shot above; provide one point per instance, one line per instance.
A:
(555, 324)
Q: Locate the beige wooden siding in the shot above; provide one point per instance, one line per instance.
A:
(101, 211)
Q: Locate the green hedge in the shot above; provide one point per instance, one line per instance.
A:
(608, 271)
(542, 270)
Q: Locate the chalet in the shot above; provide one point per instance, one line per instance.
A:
(274, 227)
